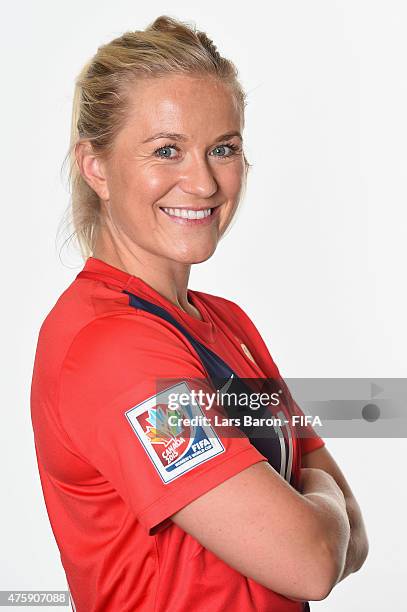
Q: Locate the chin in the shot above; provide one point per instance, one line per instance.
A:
(195, 257)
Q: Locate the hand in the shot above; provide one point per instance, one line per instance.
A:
(310, 478)
(315, 480)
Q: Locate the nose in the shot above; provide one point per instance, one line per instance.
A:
(197, 178)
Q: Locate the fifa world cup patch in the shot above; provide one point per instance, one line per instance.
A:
(161, 423)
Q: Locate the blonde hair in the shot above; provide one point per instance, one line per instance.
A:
(100, 103)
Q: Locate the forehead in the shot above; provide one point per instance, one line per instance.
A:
(182, 103)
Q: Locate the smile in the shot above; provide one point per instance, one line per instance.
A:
(190, 216)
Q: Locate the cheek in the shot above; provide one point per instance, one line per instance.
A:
(155, 182)
(137, 189)
(231, 179)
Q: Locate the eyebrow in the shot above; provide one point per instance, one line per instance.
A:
(183, 137)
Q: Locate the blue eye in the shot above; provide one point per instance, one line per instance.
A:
(164, 152)
(231, 146)
(165, 148)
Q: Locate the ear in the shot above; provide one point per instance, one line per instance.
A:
(92, 168)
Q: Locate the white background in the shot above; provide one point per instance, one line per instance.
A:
(316, 255)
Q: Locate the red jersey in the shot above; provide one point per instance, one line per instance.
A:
(112, 471)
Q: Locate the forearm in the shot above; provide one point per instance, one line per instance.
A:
(320, 489)
(358, 546)
(316, 484)
(334, 530)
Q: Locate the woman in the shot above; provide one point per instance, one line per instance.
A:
(150, 514)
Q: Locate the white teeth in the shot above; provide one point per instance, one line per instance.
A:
(188, 214)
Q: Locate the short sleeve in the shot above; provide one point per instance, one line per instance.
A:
(311, 442)
(113, 404)
(308, 438)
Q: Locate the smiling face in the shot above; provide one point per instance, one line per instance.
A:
(180, 149)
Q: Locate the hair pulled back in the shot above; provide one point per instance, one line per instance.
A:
(101, 101)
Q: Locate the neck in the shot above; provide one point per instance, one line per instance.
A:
(169, 278)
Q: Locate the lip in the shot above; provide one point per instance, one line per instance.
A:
(192, 222)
